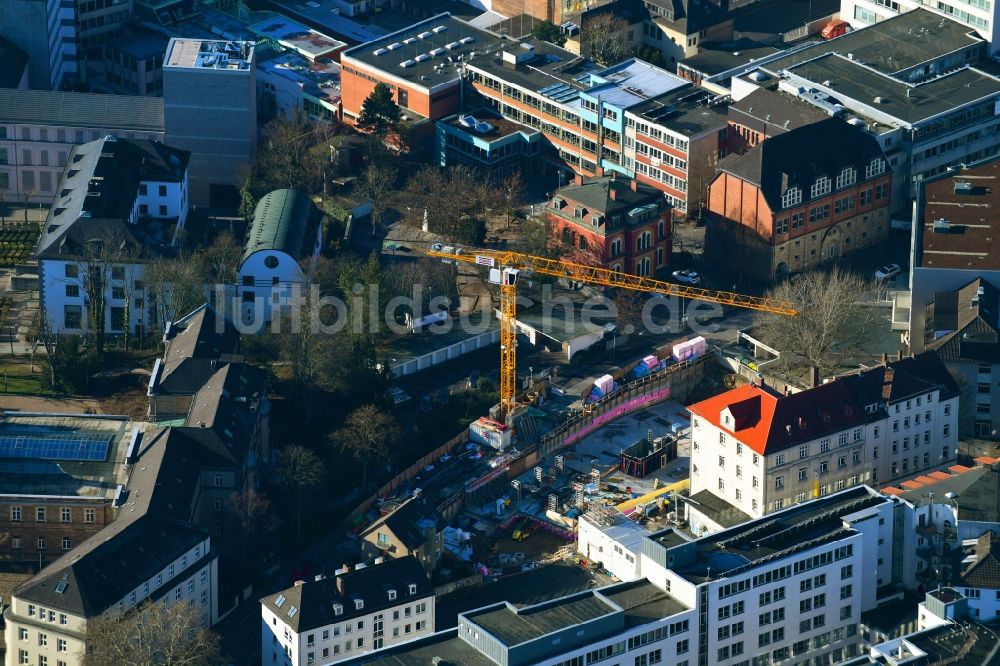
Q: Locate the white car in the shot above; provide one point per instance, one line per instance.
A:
(887, 272)
(687, 277)
(437, 247)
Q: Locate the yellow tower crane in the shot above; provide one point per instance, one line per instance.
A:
(506, 267)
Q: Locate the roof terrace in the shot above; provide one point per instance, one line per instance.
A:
(209, 54)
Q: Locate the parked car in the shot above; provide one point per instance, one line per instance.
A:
(887, 272)
(835, 29)
(437, 247)
(687, 277)
(398, 395)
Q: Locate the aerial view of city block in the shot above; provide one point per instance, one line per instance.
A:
(499, 332)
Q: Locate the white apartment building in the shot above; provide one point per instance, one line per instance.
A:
(789, 588)
(40, 128)
(130, 196)
(328, 620)
(755, 451)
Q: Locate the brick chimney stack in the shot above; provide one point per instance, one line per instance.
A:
(634, 184)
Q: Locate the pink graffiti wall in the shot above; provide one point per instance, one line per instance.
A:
(621, 410)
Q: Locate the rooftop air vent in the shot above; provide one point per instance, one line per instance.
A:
(394, 46)
(425, 34)
(879, 100)
(409, 40)
(439, 28)
(422, 57)
(942, 226)
(436, 52)
(467, 40)
(963, 187)
(451, 45)
(379, 52)
(406, 63)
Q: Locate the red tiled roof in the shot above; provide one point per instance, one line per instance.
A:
(911, 484)
(892, 491)
(741, 400)
(958, 469)
(940, 475)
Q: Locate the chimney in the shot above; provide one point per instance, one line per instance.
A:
(340, 585)
(802, 423)
(899, 354)
(298, 583)
(634, 185)
(578, 179)
(600, 172)
(613, 194)
(784, 182)
(813, 377)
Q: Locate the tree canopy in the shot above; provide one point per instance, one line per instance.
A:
(549, 32)
(153, 634)
(379, 114)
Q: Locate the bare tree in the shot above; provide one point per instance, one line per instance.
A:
(153, 634)
(377, 182)
(511, 195)
(604, 38)
(257, 524)
(25, 195)
(298, 470)
(368, 434)
(830, 321)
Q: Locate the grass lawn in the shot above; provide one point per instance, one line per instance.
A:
(16, 377)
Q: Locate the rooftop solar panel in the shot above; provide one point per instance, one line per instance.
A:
(80, 446)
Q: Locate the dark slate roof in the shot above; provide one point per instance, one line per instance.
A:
(196, 347)
(72, 109)
(408, 521)
(765, 107)
(281, 221)
(313, 600)
(13, 62)
(595, 194)
(985, 571)
(779, 157)
(769, 422)
(150, 531)
(978, 491)
(971, 319)
(226, 409)
(97, 192)
(691, 16)
(718, 510)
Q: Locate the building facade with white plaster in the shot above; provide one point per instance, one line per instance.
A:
(755, 451)
(352, 613)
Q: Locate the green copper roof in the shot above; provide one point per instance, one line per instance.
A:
(279, 223)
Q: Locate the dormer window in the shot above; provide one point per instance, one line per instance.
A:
(392, 595)
(875, 167)
(791, 197)
(847, 177)
(820, 187)
(413, 588)
(359, 604)
(338, 609)
(598, 220)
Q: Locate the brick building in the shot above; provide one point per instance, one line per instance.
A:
(613, 222)
(781, 209)
(633, 118)
(60, 477)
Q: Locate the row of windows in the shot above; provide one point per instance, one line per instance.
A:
(16, 543)
(41, 514)
(823, 185)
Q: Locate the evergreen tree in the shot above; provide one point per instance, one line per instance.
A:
(379, 114)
